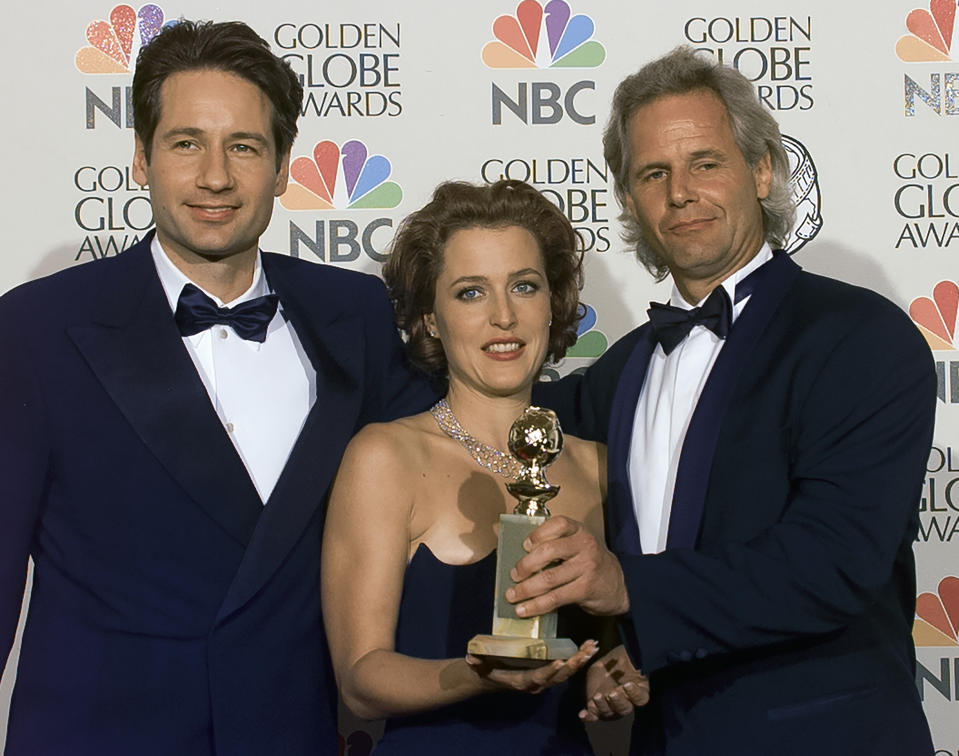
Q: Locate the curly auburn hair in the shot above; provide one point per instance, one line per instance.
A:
(416, 258)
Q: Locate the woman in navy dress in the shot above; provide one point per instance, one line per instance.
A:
(485, 280)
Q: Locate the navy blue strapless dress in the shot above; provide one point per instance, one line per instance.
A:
(443, 606)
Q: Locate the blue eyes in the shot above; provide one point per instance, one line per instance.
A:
(473, 293)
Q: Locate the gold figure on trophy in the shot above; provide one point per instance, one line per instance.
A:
(535, 439)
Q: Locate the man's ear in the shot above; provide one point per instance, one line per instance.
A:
(140, 162)
(282, 175)
(763, 176)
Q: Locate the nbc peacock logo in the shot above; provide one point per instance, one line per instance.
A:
(115, 43)
(930, 34)
(937, 615)
(936, 316)
(538, 36)
(320, 184)
(590, 342)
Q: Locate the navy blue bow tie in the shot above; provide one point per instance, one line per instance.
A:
(672, 324)
(196, 312)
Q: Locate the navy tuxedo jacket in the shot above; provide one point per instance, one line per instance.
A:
(778, 620)
(172, 612)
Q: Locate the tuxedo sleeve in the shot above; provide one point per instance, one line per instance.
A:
(583, 401)
(393, 388)
(862, 433)
(24, 460)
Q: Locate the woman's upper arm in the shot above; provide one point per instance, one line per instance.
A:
(365, 545)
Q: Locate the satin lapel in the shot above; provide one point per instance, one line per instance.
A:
(335, 350)
(138, 356)
(695, 463)
(622, 531)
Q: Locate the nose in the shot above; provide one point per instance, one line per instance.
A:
(214, 173)
(502, 314)
(681, 189)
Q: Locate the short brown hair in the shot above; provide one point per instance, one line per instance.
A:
(416, 258)
(229, 46)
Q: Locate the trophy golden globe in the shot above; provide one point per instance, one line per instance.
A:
(535, 439)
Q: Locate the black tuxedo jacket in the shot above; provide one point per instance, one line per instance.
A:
(172, 612)
(778, 619)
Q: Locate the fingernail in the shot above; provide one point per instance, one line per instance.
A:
(514, 575)
(614, 696)
(528, 545)
(510, 594)
(629, 687)
(521, 610)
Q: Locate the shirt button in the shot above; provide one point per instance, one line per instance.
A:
(223, 333)
(229, 427)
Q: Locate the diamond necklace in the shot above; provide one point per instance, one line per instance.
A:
(487, 456)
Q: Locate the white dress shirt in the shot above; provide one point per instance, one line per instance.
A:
(669, 395)
(262, 393)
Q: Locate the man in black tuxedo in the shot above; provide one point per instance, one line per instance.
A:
(767, 434)
(170, 422)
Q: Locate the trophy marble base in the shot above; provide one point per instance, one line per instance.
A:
(516, 641)
(521, 652)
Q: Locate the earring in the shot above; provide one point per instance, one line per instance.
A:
(550, 324)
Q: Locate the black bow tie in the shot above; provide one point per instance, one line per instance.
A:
(196, 312)
(672, 324)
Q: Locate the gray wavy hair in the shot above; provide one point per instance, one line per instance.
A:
(756, 132)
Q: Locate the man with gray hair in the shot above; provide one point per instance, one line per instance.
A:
(768, 431)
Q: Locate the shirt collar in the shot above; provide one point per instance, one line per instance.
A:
(764, 255)
(173, 279)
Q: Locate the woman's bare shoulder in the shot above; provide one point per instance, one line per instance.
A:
(397, 446)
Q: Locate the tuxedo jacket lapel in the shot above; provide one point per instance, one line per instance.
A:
(136, 352)
(621, 526)
(335, 350)
(699, 447)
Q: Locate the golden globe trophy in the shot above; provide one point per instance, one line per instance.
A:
(535, 439)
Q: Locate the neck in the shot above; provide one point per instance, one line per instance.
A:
(224, 277)
(487, 418)
(695, 290)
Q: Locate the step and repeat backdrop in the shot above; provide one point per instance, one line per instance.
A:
(400, 96)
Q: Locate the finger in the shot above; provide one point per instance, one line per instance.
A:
(600, 706)
(586, 716)
(555, 550)
(619, 703)
(513, 679)
(545, 581)
(638, 693)
(559, 526)
(575, 592)
(474, 661)
(575, 663)
(587, 651)
(556, 673)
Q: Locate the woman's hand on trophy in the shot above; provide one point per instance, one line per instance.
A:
(614, 687)
(533, 679)
(566, 564)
